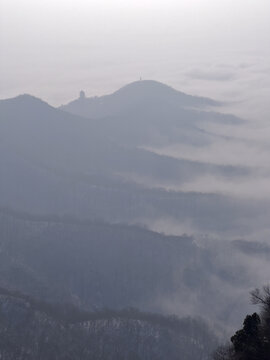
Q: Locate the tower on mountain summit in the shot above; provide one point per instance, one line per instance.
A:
(82, 95)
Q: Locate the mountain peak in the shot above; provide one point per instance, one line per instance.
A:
(26, 107)
(147, 86)
(25, 104)
(25, 99)
(155, 90)
(134, 95)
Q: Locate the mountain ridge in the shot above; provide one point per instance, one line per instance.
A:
(131, 95)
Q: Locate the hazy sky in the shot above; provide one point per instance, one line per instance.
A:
(53, 48)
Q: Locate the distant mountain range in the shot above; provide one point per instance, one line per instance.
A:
(150, 113)
(73, 180)
(67, 163)
(132, 96)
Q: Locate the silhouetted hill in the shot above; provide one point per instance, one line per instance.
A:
(150, 113)
(133, 95)
(69, 164)
(24, 102)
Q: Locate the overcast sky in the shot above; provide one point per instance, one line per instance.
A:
(54, 48)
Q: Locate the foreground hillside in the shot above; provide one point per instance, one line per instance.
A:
(31, 329)
(95, 265)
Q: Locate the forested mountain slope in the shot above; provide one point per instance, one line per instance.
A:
(95, 265)
(31, 329)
